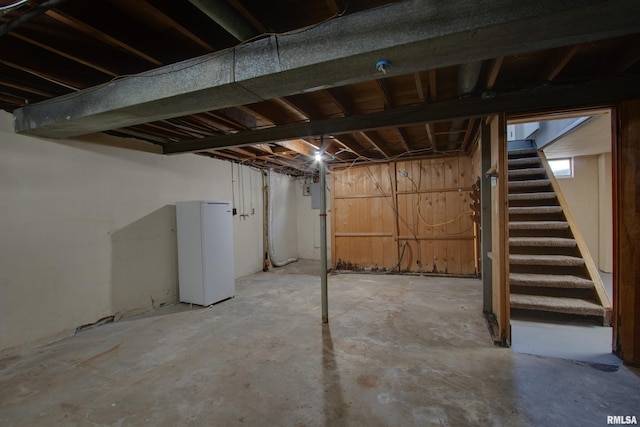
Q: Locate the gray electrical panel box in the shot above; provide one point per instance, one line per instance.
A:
(316, 193)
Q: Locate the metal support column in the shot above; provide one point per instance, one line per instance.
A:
(323, 232)
(485, 190)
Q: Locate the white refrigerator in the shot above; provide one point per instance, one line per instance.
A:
(205, 251)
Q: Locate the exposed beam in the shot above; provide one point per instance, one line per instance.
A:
(304, 106)
(591, 94)
(386, 92)
(563, 58)
(50, 76)
(431, 134)
(148, 9)
(106, 38)
(29, 15)
(351, 143)
(419, 89)
(340, 97)
(433, 88)
(334, 53)
(494, 70)
(242, 10)
(227, 17)
(299, 146)
(242, 151)
(404, 138)
(333, 6)
(377, 142)
(468, 136)
(64, 54)
(24, 88)
(291, 108)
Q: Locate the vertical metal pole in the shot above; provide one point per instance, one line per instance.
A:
(323, 233)
(485, 229)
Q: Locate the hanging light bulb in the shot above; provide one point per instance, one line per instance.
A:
(318, 156)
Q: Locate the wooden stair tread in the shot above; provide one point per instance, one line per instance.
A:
(547, 260)
(556, 304)
(530, 183)
(549, 281)
(521, 210)
(555, 242)
(532, 196)
(538, 225)
(524, 161)
(525, 172)
(532, 152)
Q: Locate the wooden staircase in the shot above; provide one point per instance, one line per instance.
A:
(551, 275)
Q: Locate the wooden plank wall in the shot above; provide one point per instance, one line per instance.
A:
(425, 203)
(626, 272)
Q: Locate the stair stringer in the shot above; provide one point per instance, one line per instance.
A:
(590, 265)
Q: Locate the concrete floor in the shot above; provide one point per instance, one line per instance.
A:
(567, 340)
(399, 350)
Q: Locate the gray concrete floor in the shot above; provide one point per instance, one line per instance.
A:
(568, 340)
(399, 351)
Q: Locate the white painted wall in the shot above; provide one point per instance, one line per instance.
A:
(283, 225)
(582, 195)
(309, 224)
(88, 230)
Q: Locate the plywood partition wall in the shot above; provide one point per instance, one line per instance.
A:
(417, 209)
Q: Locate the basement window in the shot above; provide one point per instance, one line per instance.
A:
(562, 168)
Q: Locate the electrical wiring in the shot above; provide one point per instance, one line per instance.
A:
(451, 221)
(418, 209)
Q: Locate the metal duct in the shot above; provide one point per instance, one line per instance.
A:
(274, 262)
(227, 17)
(468, 75)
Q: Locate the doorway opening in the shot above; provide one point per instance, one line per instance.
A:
(561, 235)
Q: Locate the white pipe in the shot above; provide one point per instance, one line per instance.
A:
(274, 262)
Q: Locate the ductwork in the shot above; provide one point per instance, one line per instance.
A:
(274, 262)
(227, 17)
(468, 75)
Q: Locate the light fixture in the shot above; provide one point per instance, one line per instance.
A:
(318, 156)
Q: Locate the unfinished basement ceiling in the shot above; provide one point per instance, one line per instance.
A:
(58, 48)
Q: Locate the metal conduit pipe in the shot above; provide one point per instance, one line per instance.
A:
(274, 262)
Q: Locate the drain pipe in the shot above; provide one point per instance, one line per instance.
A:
(274, 262)
(265, 221)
